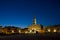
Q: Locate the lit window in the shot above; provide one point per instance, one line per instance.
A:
(54, 30)
(49, 30)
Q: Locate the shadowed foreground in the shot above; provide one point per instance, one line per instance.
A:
(31, 37)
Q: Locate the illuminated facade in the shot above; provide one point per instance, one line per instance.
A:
(34, 28)
(54, 28)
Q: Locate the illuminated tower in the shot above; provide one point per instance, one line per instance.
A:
(34, 20)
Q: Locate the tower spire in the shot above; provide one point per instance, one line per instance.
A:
(34, 20)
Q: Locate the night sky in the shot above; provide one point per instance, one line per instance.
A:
(21, 12)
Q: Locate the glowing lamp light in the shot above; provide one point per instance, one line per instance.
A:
(49, 30)
(26, 32)
(54, 30)
(30, 30)
(12, 31)
(19, 31)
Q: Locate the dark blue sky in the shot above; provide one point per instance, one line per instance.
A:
(21, 12)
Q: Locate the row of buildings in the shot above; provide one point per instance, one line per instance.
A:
(34, 28)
